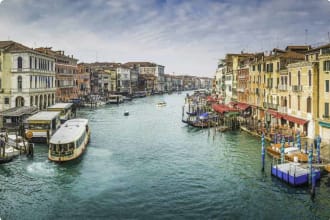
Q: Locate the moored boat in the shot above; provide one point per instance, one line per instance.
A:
(70, 141)
(161, 104)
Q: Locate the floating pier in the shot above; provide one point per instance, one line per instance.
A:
(293, 173)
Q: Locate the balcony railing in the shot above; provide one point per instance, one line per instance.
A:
(297, 88)
(283, 109)
(31, 90)
(283, 87)
(270, 105)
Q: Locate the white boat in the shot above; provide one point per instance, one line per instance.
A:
(115, 99)
(70, 141)
(65, 110)
(161, 104)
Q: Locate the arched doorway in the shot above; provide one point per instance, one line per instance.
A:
(19, 101)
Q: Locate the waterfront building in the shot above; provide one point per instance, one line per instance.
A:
(243, 77)
(321, 56)
(299, 103)
(168, 84)
(220, 78)
(147, 83)
(83, 80)
(124, 80)
(66, 74)
(151, 69)
(27, 77)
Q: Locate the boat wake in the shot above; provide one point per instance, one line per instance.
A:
(41, 169)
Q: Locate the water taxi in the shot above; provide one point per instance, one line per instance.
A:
(70, 141)
(41, 126)
(161, 104)
(65, 110)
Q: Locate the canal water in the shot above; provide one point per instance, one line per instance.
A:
(149, 165)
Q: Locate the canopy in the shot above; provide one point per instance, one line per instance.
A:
(221, 108)
(294, 119)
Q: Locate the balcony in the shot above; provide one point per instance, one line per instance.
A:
(297, 88)
(270, 105)
(283, 109)
(283, 87)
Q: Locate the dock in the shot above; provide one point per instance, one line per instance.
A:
(293, 173)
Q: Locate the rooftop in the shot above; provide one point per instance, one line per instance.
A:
(44, 116)
(69, 131)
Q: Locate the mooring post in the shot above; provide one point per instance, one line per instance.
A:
(263, 152)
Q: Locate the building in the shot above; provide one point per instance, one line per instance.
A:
(321, 57)
(27, 77)
(66, 70)
(151, 69)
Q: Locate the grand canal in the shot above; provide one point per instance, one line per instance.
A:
(151, 166)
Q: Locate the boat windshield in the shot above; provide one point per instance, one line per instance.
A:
(61, 149)
(39, 126)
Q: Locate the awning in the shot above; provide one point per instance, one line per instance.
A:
(275, 113)
(210, 99)
(221, 108)
(324, 124)
(295, 120)
(242, 106)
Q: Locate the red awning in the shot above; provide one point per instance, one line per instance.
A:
(210, 99)
(221, 108)
(295, 120)
(242, 106)
(275, 113)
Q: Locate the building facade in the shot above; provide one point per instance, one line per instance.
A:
(27, 77)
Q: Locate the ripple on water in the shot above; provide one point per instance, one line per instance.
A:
(42, 169)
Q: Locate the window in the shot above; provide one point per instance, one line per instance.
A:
(19, 63)
(326, 65)
(0, 66)
(289, 78)
(19, 82)
(289, 101)
(309, 104)
(309, 77)
(253, 68)
(35, 63)
(298, 99)
(326, 85)
(6, 100)
(30, 62)
(31, 82)
(278, 66)
(298, 78)
(326, 109)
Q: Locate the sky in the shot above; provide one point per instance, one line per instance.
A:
(187, 37)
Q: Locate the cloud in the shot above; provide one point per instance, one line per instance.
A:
(185, 36)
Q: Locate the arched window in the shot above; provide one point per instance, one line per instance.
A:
(309, 77)
(19, 82)
(298, 78)
(309, 104)
(19, 63)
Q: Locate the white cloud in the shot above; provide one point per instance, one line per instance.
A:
(186, 37)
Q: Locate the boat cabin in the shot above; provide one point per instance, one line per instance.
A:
(65, 109)
(70, 141)
(41, 126)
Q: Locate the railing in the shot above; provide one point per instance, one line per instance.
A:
(29, 90)
(270, 105)
(297, 88)
(283, 87)
(283, 109)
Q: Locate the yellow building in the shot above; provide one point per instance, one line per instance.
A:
(302, 103)
(321, 55)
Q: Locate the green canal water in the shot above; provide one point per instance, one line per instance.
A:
(149, 165)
